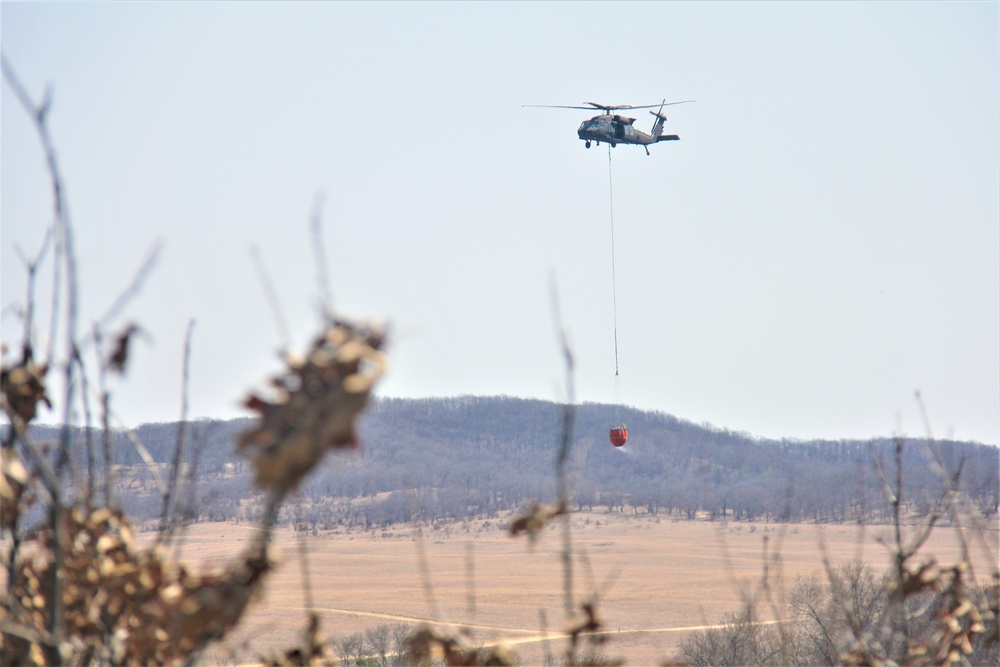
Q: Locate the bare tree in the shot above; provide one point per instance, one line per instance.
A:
(739, 640)
(823, 611)
(350, 649)
(379, 640)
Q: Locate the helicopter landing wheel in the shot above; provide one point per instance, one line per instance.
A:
(587, 144)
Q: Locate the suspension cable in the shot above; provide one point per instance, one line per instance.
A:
(614, 286)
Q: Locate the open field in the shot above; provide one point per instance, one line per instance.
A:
(657, 579)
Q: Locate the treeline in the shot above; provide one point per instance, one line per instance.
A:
(857, 615)
(458, 458)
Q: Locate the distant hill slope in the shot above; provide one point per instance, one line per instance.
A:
(467, 456)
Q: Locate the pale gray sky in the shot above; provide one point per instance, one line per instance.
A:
(822, 242)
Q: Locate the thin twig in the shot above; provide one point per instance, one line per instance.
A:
(48, 476)
(133, 288)
(272, 299)
(861, 493)
(39, 114)
(109, 454)
(88, 438)
(543, 623)
(52, 484)
(143, 453)
(566, 442)
(307, 592)
(108, 451)
(769, 596)
(425, 569)
(322, 275)
(470, 581)
(170, 498)
(890, 497)
(898, 600)
(31, 267)
(190, 485)
(145, 268)
(948, 502)
(272, 505)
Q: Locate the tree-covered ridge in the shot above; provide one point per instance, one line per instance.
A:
(454, 458)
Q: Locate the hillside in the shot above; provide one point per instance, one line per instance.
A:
(456, 458)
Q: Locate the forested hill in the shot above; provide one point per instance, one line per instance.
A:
(466, 456)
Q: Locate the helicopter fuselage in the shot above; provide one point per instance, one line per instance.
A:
(615, 129)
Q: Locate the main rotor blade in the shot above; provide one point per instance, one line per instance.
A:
(640, 106)
(554, 106)
(604, 107)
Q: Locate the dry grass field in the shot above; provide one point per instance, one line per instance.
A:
(657, 579)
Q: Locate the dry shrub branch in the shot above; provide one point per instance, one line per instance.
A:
(79, 588)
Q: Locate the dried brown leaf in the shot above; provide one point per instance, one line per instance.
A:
(14, 479)
(535, 519)
(118, 358)
(319, 398)
(23, 388)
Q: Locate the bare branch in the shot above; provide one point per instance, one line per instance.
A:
(134, 287)
(322, 275)
(566, 442)
(424, 565)
(88, 437)
(923, 414)
(65, 236)
(272, 299)
(765, 584)
(190, 484)
(307, 592)
(170, 498)
(144, 454)
(890, 497)
(45, 472)
(470, 581)
(31, 267)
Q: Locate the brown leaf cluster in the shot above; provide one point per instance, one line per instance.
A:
(314, 405)
(14, 480)
(961, 619)
(429, 645)
(118, 357)
(535, 519)
(23, 388)
(127, 604)
(587, 626)
(926, 577)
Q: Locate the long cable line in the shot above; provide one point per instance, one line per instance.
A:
(614, 285)
(618, 434)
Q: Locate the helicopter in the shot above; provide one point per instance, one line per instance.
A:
(614, 129)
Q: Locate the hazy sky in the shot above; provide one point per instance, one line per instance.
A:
(823, 241)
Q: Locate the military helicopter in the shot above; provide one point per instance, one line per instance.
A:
(614, 129)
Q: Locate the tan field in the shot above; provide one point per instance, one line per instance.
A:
(656, 579)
